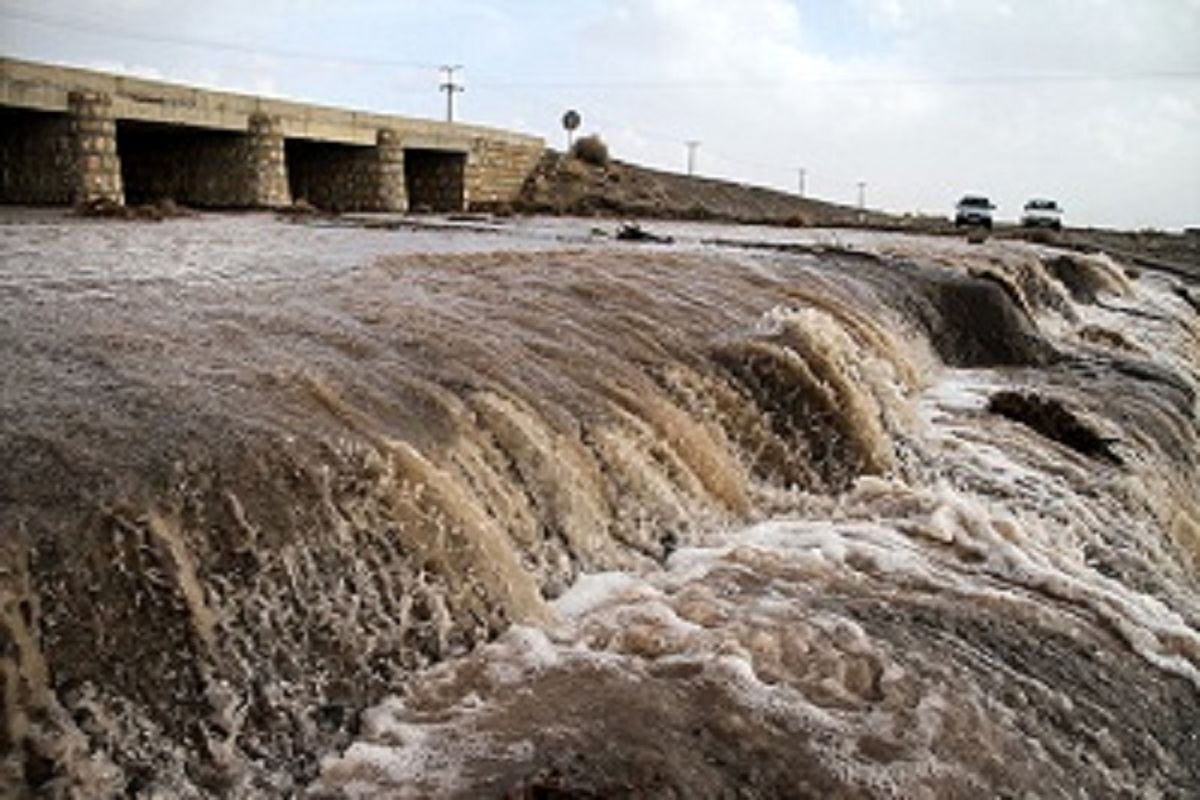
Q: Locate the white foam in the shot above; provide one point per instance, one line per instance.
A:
(989, 517)
(591, 591)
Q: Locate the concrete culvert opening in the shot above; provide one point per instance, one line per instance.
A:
(36, 158)
(434, 180)
(201, 167)
(332, 176)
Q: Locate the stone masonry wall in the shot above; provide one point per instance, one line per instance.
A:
(391, 192)
(37, 158)
(339, 177)
(269, 165)
(496, 170)
(194, 167)
(331, 177)
(94, 139)
(435, 179)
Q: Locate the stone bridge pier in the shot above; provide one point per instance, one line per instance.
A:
(265, 163)
(96, 165)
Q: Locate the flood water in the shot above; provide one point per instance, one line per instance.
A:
(326, 509)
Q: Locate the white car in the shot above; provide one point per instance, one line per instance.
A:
(974, 209)
(1042, 214)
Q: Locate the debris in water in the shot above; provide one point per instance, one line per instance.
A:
(165, 208)
(300, 207)
(632, 232)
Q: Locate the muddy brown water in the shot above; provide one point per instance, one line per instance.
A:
(309, 508)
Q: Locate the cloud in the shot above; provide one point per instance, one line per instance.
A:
(903, 94)
(909, 117)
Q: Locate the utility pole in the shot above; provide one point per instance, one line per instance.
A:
(691, 156)
(862, 194)
(803, 172)
(451, 88)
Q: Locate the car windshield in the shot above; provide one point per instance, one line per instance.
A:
(970, 200)
(1041, 205)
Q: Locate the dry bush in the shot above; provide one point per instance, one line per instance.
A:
(591, 150)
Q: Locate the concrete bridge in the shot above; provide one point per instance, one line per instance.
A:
(77, 136)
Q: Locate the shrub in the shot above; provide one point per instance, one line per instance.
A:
(591, 150)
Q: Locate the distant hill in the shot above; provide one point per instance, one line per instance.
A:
(564, 185)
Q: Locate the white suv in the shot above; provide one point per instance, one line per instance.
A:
(974, 210)
(1042, 214)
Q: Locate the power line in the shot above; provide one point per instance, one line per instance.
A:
(830, 173)
(89, 26)
(98, 27)
(877, 80)
(675, 138)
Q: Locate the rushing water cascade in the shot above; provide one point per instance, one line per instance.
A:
(369, 513)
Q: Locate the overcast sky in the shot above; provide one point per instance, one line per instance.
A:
(1093, 102)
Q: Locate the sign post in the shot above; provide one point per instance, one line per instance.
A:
(570, 122)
